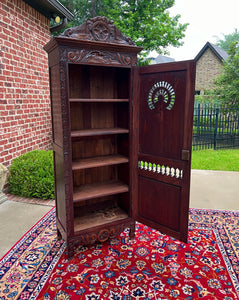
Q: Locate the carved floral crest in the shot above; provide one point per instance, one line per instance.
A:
(98, 29)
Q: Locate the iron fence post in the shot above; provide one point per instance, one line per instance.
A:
(215, 129)
(198, 119)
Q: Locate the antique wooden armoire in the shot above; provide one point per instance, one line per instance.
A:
(122, 136)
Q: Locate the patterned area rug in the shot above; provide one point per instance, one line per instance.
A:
(153, 266)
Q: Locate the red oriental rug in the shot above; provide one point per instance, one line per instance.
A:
(153, 266)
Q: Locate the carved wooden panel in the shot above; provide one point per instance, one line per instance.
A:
(104, 234)
(98, 29)
(101, 57)
(56, 106)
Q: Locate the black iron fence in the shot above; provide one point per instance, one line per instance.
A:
(215, 127)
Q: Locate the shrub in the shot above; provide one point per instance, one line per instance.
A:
(32, 175)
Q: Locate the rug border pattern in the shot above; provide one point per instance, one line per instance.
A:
(215, 226)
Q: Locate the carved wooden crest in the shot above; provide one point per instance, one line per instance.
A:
(98, 29)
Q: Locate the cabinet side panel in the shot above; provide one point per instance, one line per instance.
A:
(123, 82)
(79, 84)
(94, 147)
(102, 82)
(60, 187)
(56, 106)
(102, 116)
(94, 175)
(91, 115)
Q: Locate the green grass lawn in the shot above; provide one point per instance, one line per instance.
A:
(221, 160)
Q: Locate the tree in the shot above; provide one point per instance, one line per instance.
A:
(228, 39)
(84, 9)
(147, 22)
(227, 84)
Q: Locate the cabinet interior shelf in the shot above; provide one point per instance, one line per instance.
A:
(97, 100)
(91, 191)
(98, 161)
(98, 218)
(95, 132)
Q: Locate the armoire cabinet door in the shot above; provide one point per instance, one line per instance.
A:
(163, 102)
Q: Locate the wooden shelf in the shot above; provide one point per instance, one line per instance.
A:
(97, 100)
(99, 161)
(98, 218)
(96, 190)
(95, 132)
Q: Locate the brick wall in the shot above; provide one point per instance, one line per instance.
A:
(208, 67)
(25, 118)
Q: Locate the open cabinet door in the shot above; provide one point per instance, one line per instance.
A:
(163, 104)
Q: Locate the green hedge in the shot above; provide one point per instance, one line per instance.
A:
(32, 175)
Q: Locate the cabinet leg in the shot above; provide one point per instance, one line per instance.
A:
(70, 249)
(132, 231)
(59, 236)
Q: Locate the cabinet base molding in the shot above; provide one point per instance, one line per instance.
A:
(99, 234)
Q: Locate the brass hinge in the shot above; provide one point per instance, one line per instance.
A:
(185, 154)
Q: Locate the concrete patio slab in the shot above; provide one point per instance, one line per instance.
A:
(209, 189)
(214, 189)
(15, 220)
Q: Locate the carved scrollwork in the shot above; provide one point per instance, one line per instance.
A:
(99, 56)
(104, 234)
(63, 54)
(87, 239)
(98, 29)
(75, 56)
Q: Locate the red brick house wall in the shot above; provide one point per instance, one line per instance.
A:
(25, 116)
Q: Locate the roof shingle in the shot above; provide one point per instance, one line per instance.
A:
(219, 52)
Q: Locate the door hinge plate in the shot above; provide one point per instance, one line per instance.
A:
(185, 154)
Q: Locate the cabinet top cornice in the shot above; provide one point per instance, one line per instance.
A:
(98, 29)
